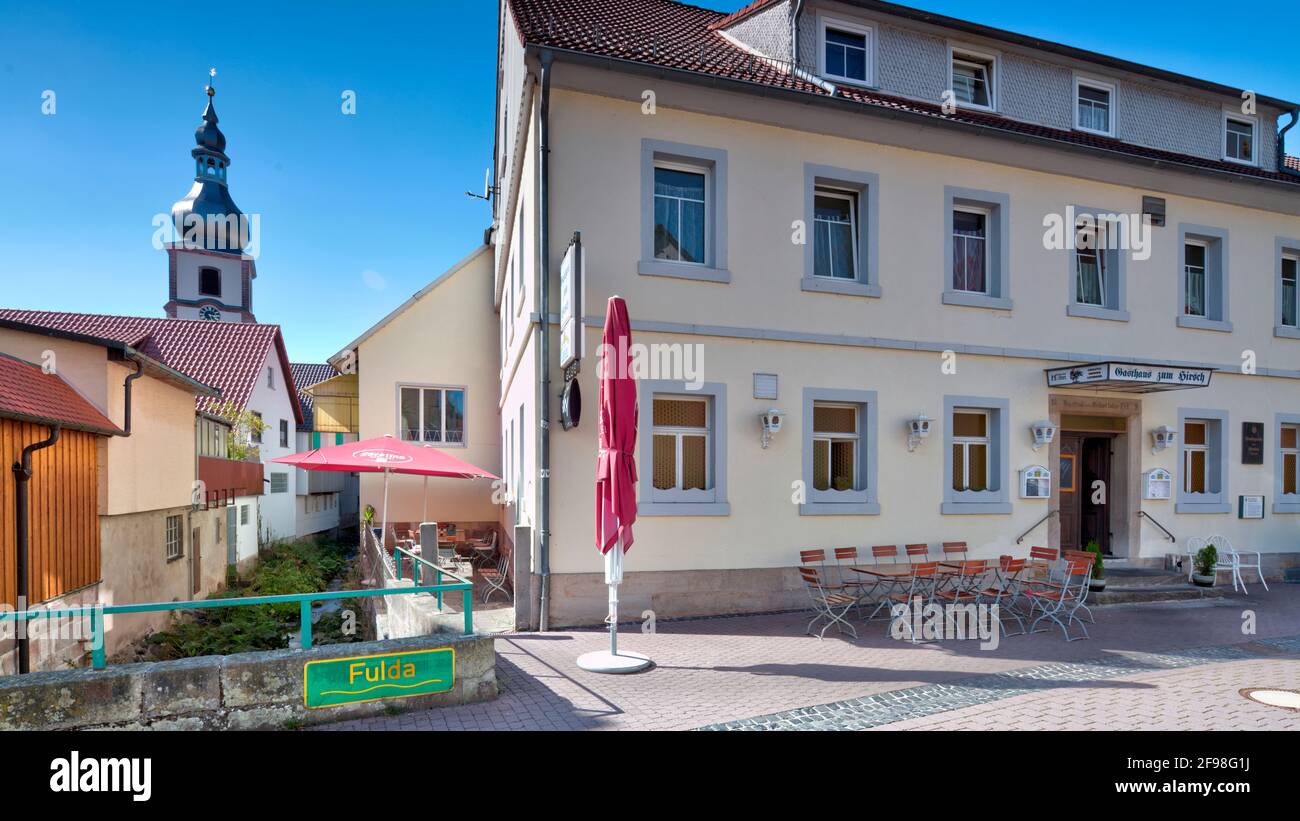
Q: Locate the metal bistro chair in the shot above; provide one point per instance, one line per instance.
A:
(496, 577)
(1238, 561)
(1065, 600)
(828, 603)
(965, 584)
(917, 553)
(1003, 591)
(859, 587)
(1090, 558)
(924, 580)
(483, 550)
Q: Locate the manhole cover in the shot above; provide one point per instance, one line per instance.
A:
(1286, 699)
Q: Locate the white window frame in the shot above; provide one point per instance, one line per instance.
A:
(959, 53)
(1190, 450)
(987, 213)
(868, 33)
(1205, 278)
(1111, 90)
(670, 165)
(1285, 452)
(1245, 119)
(677, 493)
(1286, 502)
(852, 198)
(442, 409)
(173, 538)
(966, 441)
(1217, 468)
(828, 438)
(1295, 307)
(283, 477)
(1099, 250)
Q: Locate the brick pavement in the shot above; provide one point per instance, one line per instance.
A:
(721, 670)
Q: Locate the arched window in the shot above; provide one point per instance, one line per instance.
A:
(209, 282)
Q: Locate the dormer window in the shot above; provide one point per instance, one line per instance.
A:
(209, 282)
(973, 78)
(846, 52)
(1239, 139)
(1094, 107)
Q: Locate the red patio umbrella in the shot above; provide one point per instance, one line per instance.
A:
(385, 455)
(615, 477)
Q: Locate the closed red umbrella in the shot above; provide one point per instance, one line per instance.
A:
(615, 477)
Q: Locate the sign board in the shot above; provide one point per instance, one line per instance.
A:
(1035, 482)
(1127, 377)
(571, 341)
(1157, 483)
(352, 680)
(1252, 443)
(1250, 507)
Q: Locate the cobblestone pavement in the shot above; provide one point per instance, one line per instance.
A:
(726, 670)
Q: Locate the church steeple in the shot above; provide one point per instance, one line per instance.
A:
(211, 269)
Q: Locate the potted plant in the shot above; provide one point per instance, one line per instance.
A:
(1098, 581)
(1203, 572)
(368, 520)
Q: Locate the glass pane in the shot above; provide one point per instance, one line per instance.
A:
(958, 466)
(410, 414)
(841, 241)
(842, 459)
(432, 415)
(833, 419)
(970, 424)
(855, 64)
(666, 222)
(1289, 438)
(974, 265)
(694, 463)
(846, 54)
(665, 462)
(670, 182)
(1289, 477)
(821, 464)
(970, 83)
(1195, 292)
(1289, 305)
(822, 249)
(1196, 471)
(692, 231)
(680, 413)
(1089, 284)
(968, 223)
(1194, 433)
(977, 477)
(1195, 256)
(455, 401)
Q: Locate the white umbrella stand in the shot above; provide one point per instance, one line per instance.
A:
(611, 660)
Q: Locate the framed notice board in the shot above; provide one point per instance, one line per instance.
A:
(1252, 443)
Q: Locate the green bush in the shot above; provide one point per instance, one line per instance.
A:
(1098, 569)
(1206, 558)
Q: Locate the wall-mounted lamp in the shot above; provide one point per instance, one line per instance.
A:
(770, 420)
(1162, 437)
(918, 430)
(1044, 432)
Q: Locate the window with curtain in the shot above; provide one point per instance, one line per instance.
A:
(1091, 242)
(1094, 108)
(1240, 144)
(970, 251)
(836, 446)
(681, 432)
(835, 234)
(1194, 274)
(1289, 299)
(680, 203)
(1196, 457)
(846, 55)
(432, 415)
(1289, 438)
(970, 450)
(972, 79)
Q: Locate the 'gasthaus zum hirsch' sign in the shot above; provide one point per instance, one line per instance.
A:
(1123, 376)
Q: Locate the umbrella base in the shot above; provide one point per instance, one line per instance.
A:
(606, 662)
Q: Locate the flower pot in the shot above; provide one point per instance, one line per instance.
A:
(1203, 581)
(1096, 585)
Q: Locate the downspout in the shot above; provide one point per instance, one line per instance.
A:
(1281, 141)
(23, 475)
(544, 351)
(794, 35)
(126, 391)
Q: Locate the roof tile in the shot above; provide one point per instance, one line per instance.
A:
(27, 392)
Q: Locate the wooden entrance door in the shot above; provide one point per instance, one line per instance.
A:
(1067, 477)
(1094, 495)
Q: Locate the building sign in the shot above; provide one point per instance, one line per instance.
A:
(1250, 507)
(1158, 483)
(571, 303)
(1035, 482)
(1128, 377)
(1252, 443)
(331, 682)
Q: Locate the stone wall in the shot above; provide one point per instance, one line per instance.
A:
(247, 691)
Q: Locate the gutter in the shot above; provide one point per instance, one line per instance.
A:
(1281, 143)
(544, 350)
(23, 475)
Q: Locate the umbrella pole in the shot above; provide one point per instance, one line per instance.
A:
(612, 661)
(383, 533)
(424, 498)
(613, 598)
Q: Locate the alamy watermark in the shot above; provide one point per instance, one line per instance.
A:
(676, 361)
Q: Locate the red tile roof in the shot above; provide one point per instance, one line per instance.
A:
(226, 355)
(678, 36)
(1293, 162)
(30, 394)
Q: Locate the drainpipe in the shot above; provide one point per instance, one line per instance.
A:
(544, 352)
(126, 394)
(794, 35)
(23, 475)
(1281, 141)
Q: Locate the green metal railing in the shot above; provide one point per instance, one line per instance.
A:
(96, 613)
(416, 561)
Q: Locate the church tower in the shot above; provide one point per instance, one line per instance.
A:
(210, 268)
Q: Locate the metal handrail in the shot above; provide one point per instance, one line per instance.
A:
(97, 612)
(1049, 515)
(1143, 513)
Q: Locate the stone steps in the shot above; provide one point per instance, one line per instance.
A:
(1135, 594)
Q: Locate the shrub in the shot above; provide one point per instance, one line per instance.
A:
(1206, 558)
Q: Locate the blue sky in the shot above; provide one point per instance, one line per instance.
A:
(357, 212)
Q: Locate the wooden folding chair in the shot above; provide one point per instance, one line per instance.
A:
(1003, 591)
(1064, 600)
(921, 588)
(828, 603)
(917, 553)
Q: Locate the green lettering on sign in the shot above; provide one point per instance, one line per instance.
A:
(331, 682)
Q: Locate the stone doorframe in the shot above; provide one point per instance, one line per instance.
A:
(1123, 496)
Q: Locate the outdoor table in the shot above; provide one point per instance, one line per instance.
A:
(892, 573)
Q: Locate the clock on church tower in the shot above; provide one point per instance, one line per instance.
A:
(210, 272)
